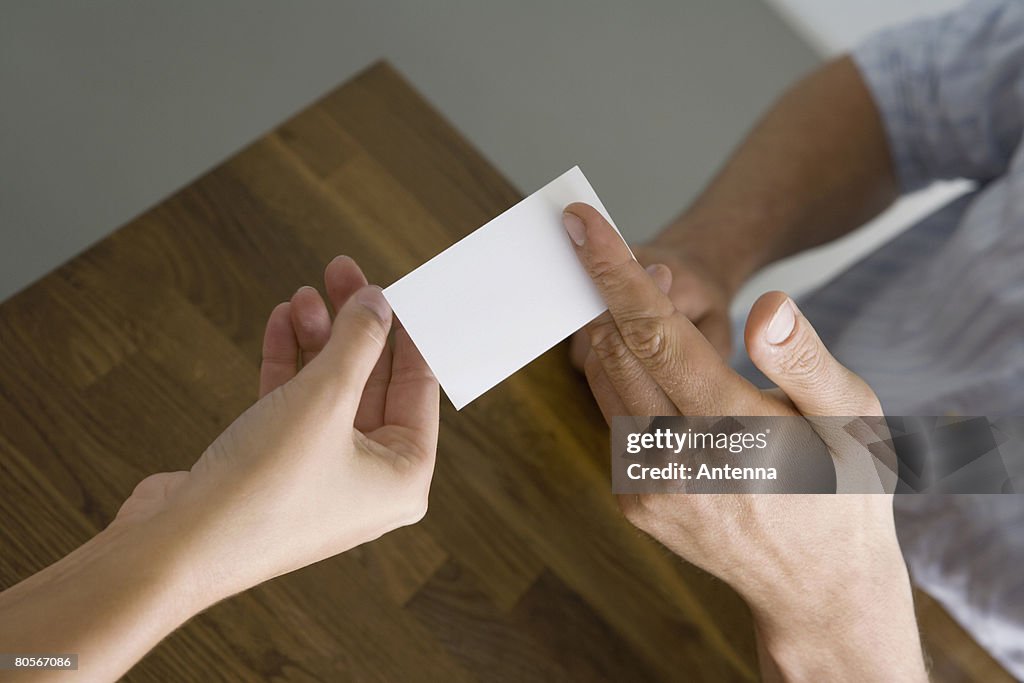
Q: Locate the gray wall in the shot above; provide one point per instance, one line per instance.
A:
(107, 107)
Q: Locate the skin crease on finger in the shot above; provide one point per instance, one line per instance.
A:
(690, 288)
(644, 330)
(695, 293)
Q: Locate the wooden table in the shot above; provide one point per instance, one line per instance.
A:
(132, 357)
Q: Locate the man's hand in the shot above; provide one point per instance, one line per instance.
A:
(696, 291)
(823, 574)
(814, 168)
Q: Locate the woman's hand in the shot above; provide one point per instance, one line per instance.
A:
(338, 450)
(823, 574)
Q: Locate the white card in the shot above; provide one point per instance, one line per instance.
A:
(492, 302)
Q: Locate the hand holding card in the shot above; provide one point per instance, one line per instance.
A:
(491, 303)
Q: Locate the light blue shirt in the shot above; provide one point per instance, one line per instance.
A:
(934, 319)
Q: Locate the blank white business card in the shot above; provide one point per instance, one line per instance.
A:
(492, 302)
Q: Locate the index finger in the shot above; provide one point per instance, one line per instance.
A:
(674, 353)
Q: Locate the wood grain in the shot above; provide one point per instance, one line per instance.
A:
(132, 357)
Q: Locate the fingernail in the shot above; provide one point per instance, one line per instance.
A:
(373, 298)
(575, 227)
(782, 323)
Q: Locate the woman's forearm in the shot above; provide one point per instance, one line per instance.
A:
(816, 166)
(110, 601)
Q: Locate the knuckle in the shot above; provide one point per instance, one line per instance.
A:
(607, 272)
(374, 328)
(628, 507)
(415, 508)
(868, 403)
(419, 511)
(612, 278)
(150, 486)
(871, 407)
(406, 375)
(608, 345)
(636, 509)
(645, 338)
(364, 327)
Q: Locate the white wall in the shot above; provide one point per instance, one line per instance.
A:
(833, 26)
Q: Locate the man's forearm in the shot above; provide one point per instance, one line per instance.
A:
(866, 631)
(815, 167)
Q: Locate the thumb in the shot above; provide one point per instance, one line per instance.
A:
(784, 346)
(358, 336)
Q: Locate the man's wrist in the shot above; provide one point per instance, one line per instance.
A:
(727, 247)
(861, 631)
